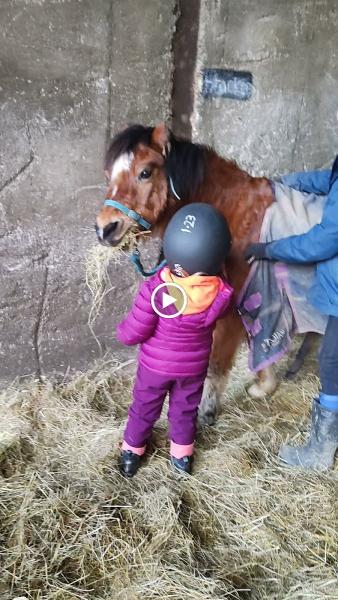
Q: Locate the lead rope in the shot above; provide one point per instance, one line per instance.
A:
(136, 260)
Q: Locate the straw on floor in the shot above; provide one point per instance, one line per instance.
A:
(242, 526)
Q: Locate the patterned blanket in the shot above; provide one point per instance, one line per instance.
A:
(273, 303)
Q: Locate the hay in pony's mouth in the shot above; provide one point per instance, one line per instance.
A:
(97, 262)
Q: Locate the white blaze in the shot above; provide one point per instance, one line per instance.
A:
(121, 164)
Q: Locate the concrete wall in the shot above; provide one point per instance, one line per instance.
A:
(74, 71)
(71, 73)
(290, 122)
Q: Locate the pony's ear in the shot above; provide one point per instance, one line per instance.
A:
(160, 139)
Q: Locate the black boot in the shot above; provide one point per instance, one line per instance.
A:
(183, 465)
(129, 463)
(320, 450)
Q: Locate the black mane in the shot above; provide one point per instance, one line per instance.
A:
(185, 163)
(126, 141)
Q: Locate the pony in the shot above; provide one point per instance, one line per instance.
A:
(150, 174)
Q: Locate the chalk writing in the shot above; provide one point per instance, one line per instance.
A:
(225, 83)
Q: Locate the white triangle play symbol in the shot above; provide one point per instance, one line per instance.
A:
(167, 300)
(159, 297)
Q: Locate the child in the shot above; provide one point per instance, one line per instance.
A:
(175, 350)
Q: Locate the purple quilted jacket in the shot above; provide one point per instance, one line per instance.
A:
(179, 346)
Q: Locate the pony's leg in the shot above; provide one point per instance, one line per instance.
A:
(212, 392)
(265, 384)
(228, 335)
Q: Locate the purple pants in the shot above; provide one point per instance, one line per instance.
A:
(150, 390)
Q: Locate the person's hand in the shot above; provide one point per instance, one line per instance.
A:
(255, 252)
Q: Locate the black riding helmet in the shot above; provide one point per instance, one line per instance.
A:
(196, 240)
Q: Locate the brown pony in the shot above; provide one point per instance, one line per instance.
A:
(153, 173)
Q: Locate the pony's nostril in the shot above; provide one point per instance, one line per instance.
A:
(109, 229)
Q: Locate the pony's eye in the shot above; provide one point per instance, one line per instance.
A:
(145, 174)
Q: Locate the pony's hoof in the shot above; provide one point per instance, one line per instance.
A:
(207, 418)
(256, 392)
(265, 384)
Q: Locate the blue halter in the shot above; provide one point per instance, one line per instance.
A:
(132, 214)
(135, 216)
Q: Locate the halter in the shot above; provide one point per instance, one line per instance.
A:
(132, 214)
(135, 216)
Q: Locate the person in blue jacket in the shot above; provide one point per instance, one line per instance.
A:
(319, 246)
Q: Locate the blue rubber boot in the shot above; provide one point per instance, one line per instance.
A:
(328, 401)
(320, 450)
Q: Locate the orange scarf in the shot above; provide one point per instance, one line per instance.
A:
(201, 290)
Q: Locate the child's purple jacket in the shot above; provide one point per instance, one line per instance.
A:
(179, 346)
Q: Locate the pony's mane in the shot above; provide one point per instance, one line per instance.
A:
(185, 162)
(185, 165)
(126, 141)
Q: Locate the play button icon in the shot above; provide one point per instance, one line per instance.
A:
(169, 300)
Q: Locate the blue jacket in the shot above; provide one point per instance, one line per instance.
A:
(320, 244)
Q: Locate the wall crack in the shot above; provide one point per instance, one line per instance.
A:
(108, 72)
(38, 323)
(18, 173)
(185, 40)
(294, 148)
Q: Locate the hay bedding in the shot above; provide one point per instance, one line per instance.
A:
(241, 527)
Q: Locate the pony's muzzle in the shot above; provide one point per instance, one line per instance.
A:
(110, 234)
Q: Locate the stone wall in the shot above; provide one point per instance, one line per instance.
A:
(290, 47)
(72, 72)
